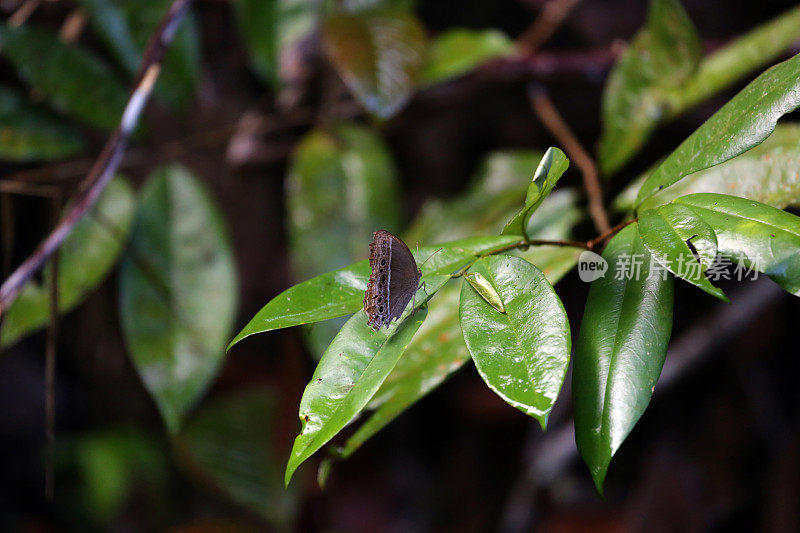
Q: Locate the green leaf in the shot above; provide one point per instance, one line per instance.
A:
(379, 55)
(341, 292)
(620, 350)
(31, 134)
(457, 51)
(745, 121)
(353, 368)
(521, 354)
(85, 259)
(659, 59)
(665, 232)
(342, 186)
(550, 169)
(178, 291)
(71, 79)
(125, 26)
(766, 173)
(270, 28)
(755, 235)
(228, 447)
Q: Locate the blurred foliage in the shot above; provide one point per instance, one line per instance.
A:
(227, 446)
(458, 51)
(72, 79)
(31, 134)
(380, 55)
(86, 258)
(178, 291)
(126, 25)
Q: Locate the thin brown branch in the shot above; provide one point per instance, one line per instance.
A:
(553, 121)
(550, 18)
(603, 237)
(73, 26)
(109, 159)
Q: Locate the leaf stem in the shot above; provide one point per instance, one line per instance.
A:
(522, 243)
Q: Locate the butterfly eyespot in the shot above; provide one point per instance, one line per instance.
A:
(380, 309)
(383, 261)
(383, 278)
(380, 299)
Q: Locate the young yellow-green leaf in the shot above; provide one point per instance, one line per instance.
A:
(766, 173)
(620, 350)
(178, 291)
(31, 134)
(665, 232)
(521, 354)
(457, 51)
(341, 187)
(754, 235)
(550, 169)
(350, 372)
(341, 292)
(71, 79)
(228, 447)
(126, 26)
(85, 259)
(270, 28)
(379, 54)
(660, 58)
(485, 289)
(745, 121)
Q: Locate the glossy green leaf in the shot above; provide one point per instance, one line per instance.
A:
(745, 121)
(350, 372)
(620, 350)
(85, 259)
(521, 354)
(341, 187)
(755, 235)
(457, 51)
(31, 134)
(550, 169)
(766, 173)
(71, 79)
(178, 291)
(341, 292)
(228, 447)
(126, 26)
(665, 232)
(379, 55)
(270, 28)
(659, 59)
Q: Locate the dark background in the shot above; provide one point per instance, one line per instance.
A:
(718, 449)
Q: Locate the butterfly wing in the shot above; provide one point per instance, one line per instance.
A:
(404, 279)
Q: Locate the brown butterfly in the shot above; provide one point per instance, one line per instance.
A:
(393, 282)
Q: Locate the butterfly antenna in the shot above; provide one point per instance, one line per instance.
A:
(434, 253)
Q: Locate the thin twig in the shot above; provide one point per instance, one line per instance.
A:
(600, 239)
(50, 371)
(109, 159)
(524, 243)
(550, 18)
(553, 121)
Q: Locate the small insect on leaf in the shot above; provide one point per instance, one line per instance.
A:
(485, 289)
